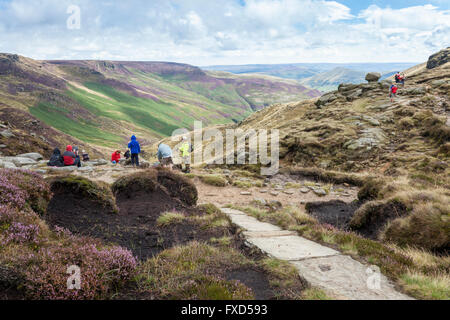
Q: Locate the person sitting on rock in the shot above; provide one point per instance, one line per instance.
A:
(165, 155)
(127, 154)
(135, 149)
(56, 160)
(70, 158)
(393, 92)
(115, 157)
(85, 155)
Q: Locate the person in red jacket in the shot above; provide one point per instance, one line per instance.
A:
(115, 157)
(70, 158)
(393, 92)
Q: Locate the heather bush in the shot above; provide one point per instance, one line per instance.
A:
(103, 269)
(24, 189)
(20, 226)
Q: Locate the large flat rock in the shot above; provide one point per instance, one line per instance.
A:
(291, 248)
(348, 278)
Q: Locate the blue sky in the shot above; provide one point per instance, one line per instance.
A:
(205, 32)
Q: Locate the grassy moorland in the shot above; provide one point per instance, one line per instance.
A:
(112, 100)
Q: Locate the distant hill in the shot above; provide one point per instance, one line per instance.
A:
(102, 103)
(330, 80)
(320, 76)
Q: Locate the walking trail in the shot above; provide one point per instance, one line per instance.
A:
(338, 274)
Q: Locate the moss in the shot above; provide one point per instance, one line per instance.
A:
(96, 191)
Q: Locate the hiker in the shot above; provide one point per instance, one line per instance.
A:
(393, 92)
(70, 158)
(185, 150)
(135, 149)
(127, 154)
(56, 160)
(115, 157)
(85, 156)
(165, 155)
(397, 77)
(401, 79)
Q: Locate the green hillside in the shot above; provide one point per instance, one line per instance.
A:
(102, 103)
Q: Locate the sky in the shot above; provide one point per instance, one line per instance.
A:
(221, 32)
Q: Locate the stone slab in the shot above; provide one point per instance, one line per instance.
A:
(268, 234)
(292, 248)
(252, 224)
(232, 211)
(348, 278)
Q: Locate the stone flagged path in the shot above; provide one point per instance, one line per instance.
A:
(323, 267)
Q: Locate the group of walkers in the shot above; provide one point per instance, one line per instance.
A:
(133, 151)
(71, 157)
(164, 155)
(399, 79)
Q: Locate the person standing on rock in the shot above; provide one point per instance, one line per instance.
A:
(135, 149)
(185, 150)
(165, 155)
(393, 92)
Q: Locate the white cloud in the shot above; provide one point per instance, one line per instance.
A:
(214, 32)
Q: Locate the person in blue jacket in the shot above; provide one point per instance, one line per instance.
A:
(165, 155)
(135, 149)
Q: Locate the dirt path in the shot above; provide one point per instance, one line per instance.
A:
(278, 189)
(323, 267)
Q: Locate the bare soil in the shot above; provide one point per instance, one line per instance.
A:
(134, 227)
(335, 212)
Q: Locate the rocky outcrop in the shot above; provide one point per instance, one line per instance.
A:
(373, 76)
(438, 59)
(32, 155)
(327, 98)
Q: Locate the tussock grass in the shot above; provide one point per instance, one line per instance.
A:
(425, 287)
(213, 180)
(315, 294)
(170, 218)
(198, 271)
(177, 273)
(242, 184)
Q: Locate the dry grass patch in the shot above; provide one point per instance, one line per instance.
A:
(213, 180)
